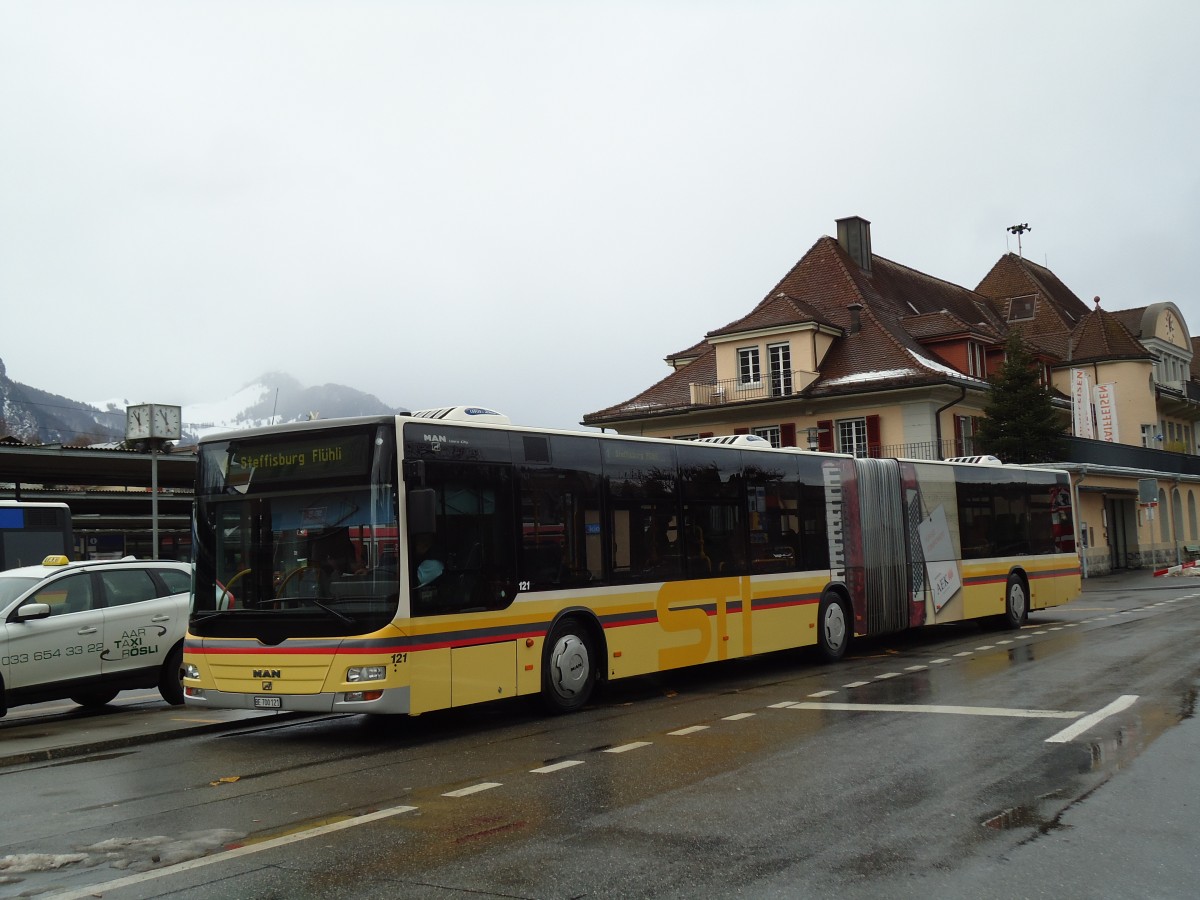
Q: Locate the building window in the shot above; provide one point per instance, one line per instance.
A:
(976, 360)
(852, 436)
(748, 367)
(780, 358)
(1021, 308)
(770, 433)
(964, 431)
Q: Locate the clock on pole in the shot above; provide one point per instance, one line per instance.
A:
(145, 421)
(154, 423)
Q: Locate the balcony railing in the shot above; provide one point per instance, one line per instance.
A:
(920, 450)
(734, 390)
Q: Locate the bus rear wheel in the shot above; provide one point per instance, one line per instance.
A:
(1016, 602)
(833, 627)
(568, 668)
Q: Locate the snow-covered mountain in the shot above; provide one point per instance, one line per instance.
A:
(272, 399)
(37, 416)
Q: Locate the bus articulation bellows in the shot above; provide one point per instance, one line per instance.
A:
(413, 563)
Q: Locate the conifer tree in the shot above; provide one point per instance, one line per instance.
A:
(1021, 424)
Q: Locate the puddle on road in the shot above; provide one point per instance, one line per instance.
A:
(1098, 761)
(1043, 814)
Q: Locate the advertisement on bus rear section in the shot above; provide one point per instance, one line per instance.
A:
(940, 563)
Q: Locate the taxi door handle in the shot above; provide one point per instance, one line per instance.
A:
(90, 630)
(160, 618)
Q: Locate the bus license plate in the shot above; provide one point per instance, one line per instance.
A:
(268, 703)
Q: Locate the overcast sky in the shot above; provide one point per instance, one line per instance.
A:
(527, 205)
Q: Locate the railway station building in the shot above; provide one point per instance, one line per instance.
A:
(854, 353)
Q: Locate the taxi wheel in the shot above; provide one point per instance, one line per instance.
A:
(94, 699)
(170, 680)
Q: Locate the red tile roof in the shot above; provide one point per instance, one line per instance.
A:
(898, 307)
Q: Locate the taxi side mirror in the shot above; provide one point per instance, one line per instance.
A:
(31, 611)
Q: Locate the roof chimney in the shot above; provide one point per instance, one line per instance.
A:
(854, 234)
(856, 309)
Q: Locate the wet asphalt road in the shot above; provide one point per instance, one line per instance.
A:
(951, 762)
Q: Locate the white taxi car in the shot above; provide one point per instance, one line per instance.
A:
(87, 630)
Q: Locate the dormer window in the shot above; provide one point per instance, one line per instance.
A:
(1021, 309)
(976, 359)
(749, 371)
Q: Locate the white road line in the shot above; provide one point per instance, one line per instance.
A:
(855, 684)
(1123, 702)
(97, 890)
(737, 717)
(964, 653)
(1002, 643)
(909, 669)
(691, 729)
(820, 694)
(987, 647)
(625, 748)
(782, 705)
(939, 660)
(1022, 637)
(946, 710)
(557, 767)
(887, 675)
(473, 789)
(1039, 632)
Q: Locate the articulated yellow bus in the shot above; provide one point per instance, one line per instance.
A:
(412, 563)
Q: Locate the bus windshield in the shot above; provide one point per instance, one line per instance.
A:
(299, 535)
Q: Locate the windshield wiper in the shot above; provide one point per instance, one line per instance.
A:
(329, 609)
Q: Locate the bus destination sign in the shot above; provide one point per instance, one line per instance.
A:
(323, 457)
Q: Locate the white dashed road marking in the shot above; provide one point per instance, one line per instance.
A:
(557, 767)
(473, 789)
(625, 748)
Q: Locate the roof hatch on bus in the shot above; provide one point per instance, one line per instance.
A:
(463, 414)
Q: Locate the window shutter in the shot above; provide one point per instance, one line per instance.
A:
(873, 441)
(787, 434)
(706, 434)
(825, 435)
(741, 431)
(959, 450)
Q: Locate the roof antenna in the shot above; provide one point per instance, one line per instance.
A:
(1019, 230)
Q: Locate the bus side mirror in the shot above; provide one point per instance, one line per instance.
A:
(422, 510)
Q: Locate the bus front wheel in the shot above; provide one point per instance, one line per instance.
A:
(1016, 602)
(569, 667)
(833, 627)
(170, 678)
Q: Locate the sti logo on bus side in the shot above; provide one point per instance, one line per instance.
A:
(267, 673)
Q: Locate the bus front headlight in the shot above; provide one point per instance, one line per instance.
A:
(366, 673)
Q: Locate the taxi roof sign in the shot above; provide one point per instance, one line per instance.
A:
(55, 560)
